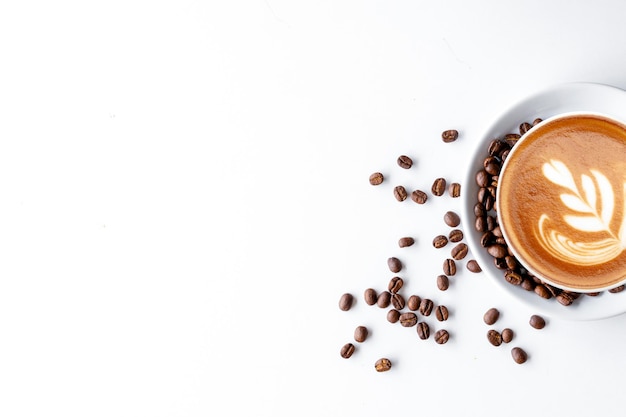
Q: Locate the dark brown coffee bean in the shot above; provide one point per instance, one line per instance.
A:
(593, 294)
(519, 355)
(449, 267)
(459, 251)
(511, 262)
(487, 239)
(500, 263)
(384, 299)
(450, 135)
(423, 331)
(494, 337)
(345, 302)
(472, 266)
(419, 196)
(497, 251)
(455, 235)
(395, 284)
(454, 190)
(537, 121)
(481, 224)
(347, 350)
(479, 210)
(491, 316)
(443, 283)
(507, 335)
(397, 301)
(394, 264)
(442, 336)
(439, 187)
(496, 147)
(524, 127)
(408, 319)
(542, 291)
(504, 155)
(399, 192)
(441, 312)
(370, 296)
(512, 277)
(376, 178)
(483, 179)
(565, 298)
(440, 241)
(511, 138)
(426, 307)
(451, 219)
(382, 365)
(527, 284)
(405, 162)
(617, 289)
(393, 316)
(537, 322)
(413, 303)
(360, 334)
(492, 223)
(405, 242)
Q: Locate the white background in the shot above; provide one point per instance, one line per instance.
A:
(184, 198)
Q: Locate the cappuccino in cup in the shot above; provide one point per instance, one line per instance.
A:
(561, 201)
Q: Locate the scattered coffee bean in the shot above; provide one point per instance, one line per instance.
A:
(419, 196)
(443, 283)
(441, 312)
(405, 162)
(494, 337)
(399, 192)
(413, 303)
(452, 219)
(513, 277)
(370, 296)
(440, 241)
(617, 289)
(454, 190)
(360, 334)
(405, 242)
(507, 335)
(442, 336)
(426, 307)
(347, 350)
(564, 298)
(345, 302)
(376, 178)
(408, 319)
(439, 187)
(459, 251)
(449, 267)
(382, 365)
(384, 299)
(542, 291)
(393, 316)
(395, 284)
(537, 322)
(473, 266)
(450, 135)
(394, 264)
(455, 235)
(519, 355)
(491, 316)
(423, 331)
(397, 301)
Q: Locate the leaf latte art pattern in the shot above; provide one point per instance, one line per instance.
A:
(589, 215)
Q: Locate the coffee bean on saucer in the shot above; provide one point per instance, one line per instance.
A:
(491, 316)
(494, 337)
(537, 322)
(507, 335)
(564, 298)
(439, 187)
(454, 190)
(370, 296)
(405, 242)
(472, 266)
(617, 289)
(524, 127)
(382, 365)
(347, 350)
(442, 336)
(537, 121)
(419, 196)
(345, 302)
(360, 334)
(405, 162)
(455, 235)
(452, 219)
(376, 178)
(449, 136)
(440, 241)
(519, 355)
(399, 192)
(394, 264)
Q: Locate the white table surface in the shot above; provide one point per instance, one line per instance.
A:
(184, 198)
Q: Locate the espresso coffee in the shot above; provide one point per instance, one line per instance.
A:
(561, 201)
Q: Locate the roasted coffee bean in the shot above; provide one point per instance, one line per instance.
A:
(423, 331)
(456, 235)
(487, 239)
(449, 135)
(454, 190)
(507, 335)
(524, 127)
(511, 262)
(408, 319)
(519, 355)
(443, 283)
(382, 365)
(479, 210)
(537, 121)
(347, 350)
(376, 178)
(494, 337)
(537, 322)
(483, 179)
(554, 291)
(439, 187)
(345, 302)
(512, 277)
(527, 284)
(419, 196)
(440, 241)
(451, 219)
(542, 291)
(442, 336)
(491, 316)
(565, 298)
(511, 138)
(441, 312)
(360, 334)
(459, 251)
(405, 242)
(472, 266)
(496, 147)
(449, 267)
(393, 316)
(394, 264)
(399, 192)
(617, 289)
(384, 299)
(593, 294)
(395, 284)
(426, 307)
(397, 301)
(504, 155)
(497, 251)
(500, 263)
(370, 296)
(405, 162)
(491, 222)
(413, 303)
(481, 224)
(491, 165)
